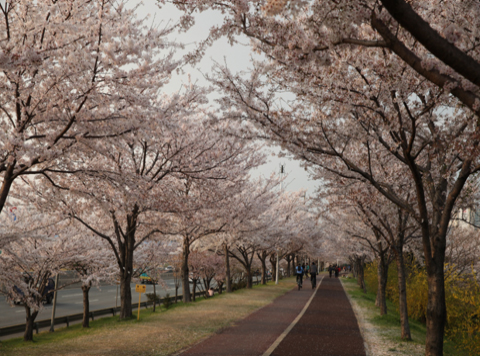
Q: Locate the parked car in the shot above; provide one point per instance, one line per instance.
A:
(169, 269)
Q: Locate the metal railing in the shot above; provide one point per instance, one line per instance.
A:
(67, 319)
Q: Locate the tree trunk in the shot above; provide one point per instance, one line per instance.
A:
(176, 293)
(86, 306)
(125, 296)
(220, 287)
(206, 285)
(126, 259)
(154, 296)
(249, 277)
(262, 257)
(361, 275)
(30, 319)
(185, 271)
(382, 276)
(436, 311)
(6, 184)
(194, 288)
(264, 272)
(273, 262)
(228, 277)
(402, 295)
(289, 260)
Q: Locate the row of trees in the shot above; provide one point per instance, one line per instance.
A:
(104, 173)
(386, 101)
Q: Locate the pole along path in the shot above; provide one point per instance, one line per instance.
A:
(304, 322)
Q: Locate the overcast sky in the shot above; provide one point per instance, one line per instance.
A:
(237, 58)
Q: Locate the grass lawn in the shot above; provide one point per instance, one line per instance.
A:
(382, 333)
(164, 332)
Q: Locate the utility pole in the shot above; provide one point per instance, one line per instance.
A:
(282, 172)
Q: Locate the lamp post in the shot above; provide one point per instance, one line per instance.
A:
(282, 172)
(276, 272)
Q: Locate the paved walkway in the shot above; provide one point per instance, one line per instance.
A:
(328, 327)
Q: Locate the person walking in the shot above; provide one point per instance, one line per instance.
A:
(337, 269)
(330, 270)
(313, 275)
(307, 270)
(299, 272)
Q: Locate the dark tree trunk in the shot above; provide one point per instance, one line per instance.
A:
(220, 287)
(289, 260)
(30, 319)
(86, 305)
(249, 277)
(176, 294)
(206, 285)
(273, 262)
(263, 257)
(6, 184)
(125, 296)
(264, 272)
(246, 259)
(126, 262)
(228, 277)
(402, 295)
(436, 311)
(194, 288)
(154, 296)
(185, 271)
(361, 275)
(382, 276)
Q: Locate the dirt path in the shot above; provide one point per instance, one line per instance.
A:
(327, 327)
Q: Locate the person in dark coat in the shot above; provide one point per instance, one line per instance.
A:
(313, 275)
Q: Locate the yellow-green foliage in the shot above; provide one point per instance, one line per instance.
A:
(462, 294)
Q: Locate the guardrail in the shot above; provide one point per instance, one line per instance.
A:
(19, 328)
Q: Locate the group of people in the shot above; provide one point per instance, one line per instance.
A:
(302, 270)
(334, 269)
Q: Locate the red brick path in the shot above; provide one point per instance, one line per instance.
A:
(328, 327)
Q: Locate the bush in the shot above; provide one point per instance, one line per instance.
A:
(167, 301)
(239, 285)
(151, 296)
(462, 294)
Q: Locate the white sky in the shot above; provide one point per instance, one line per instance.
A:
(237, 58)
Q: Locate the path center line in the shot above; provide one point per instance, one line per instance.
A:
(290, 327)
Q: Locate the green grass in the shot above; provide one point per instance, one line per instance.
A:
(390, 324)
(160, 333)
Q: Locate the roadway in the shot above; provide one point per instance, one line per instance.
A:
(70, 301)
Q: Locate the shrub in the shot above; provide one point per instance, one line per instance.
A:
(167, 301)
(462, 294)
(151, 296)
(239, 285)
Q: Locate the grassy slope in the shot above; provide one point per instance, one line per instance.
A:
(387, 327)
(160, 333)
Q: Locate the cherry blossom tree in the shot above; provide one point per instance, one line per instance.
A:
(66, 77)
(316, 46)
(29, 263)
(211, 201)
(389, 138)
(93, 264)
